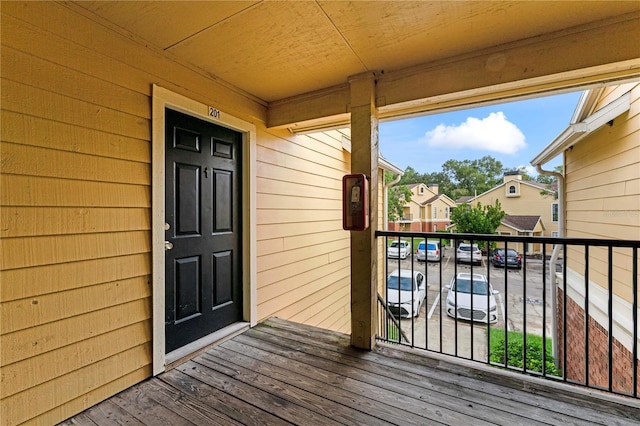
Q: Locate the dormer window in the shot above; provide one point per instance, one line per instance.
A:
(421, 190)
(512, 189)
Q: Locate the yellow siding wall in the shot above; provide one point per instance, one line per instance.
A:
(603, 191)
(303, 253)
(530, 202)
(75, 255)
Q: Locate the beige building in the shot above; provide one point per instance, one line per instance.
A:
(601, 193)
(427, 211)
(531, 209)
(163, 182)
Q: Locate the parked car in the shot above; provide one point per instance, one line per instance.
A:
(460, 298)
(468, 253)
(400, 249)
(429, 250)
(514, 260)
(405, 292)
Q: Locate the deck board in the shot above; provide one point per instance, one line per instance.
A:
(282, 373)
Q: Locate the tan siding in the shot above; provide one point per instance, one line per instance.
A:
(75, 258)
(603, 192)
(303, 253)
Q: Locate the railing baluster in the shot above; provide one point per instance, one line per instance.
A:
(524, 309)
(544, 310)
(610, 313)
(586, 315)
(634, 307)
(564, 312)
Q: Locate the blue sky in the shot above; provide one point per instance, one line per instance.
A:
(513, 133)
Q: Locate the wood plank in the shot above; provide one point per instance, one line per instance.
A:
(36, 131)
(294, 286)
(50, 192)
(300, 158)
(317, 373)
(25, 221)
(220, 400)
(298, 391)
(300, 203)
(448, 379)
(34, 251)
(193, 409)
(34, 311)
(57, 392)
(275, 260)
(279, 173)
(38, 340)
(45, 75)
(41, 280)
(265, 232)
(140, 405)
(282, 216)
(25, 99)
(512, 386)
(292, 188)
(19, 160)
(85, 401)
(30, 372)
(108, 413)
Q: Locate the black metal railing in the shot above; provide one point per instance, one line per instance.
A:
(560, 308)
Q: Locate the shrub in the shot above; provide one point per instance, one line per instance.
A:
(514, 351)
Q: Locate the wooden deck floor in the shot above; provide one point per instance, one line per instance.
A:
(284, 373)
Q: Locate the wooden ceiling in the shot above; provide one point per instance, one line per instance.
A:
(278, 50)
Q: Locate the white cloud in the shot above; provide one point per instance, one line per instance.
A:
(493, 133)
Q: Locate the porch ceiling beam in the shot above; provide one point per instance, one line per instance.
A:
(604, 51)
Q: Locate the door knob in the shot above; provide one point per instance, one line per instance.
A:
(168, 245)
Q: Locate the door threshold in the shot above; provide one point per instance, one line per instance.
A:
(180, 355)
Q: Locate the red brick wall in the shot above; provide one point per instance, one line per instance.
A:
(622, 370)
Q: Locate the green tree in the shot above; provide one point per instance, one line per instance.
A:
(398, 196)
(472, 177)
(477, 219)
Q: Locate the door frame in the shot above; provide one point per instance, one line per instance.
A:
(162, 98)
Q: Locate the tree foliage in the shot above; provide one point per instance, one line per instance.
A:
(460, 178)
(477, 219)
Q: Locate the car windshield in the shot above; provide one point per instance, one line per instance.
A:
(395, 244)
(421, 246)
(431, 247)
(463, 285)
(468, 248)
(405, 283)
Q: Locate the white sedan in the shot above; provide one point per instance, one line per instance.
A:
(477, 305)
(399, 249)
(405, 292)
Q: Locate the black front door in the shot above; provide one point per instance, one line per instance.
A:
(203, 228)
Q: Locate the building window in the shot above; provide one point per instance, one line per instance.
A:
(554, 212)
(421, 190)
(554, 234)
(446, 212)
(512, 189)
(435, 212)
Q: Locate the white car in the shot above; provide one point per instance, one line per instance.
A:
(429, 250)
(399, 249)
(405, 292)
(460, 299)
(468, 253)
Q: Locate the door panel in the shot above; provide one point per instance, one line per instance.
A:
(203, 213)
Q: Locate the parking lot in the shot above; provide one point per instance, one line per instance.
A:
(434, 329)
